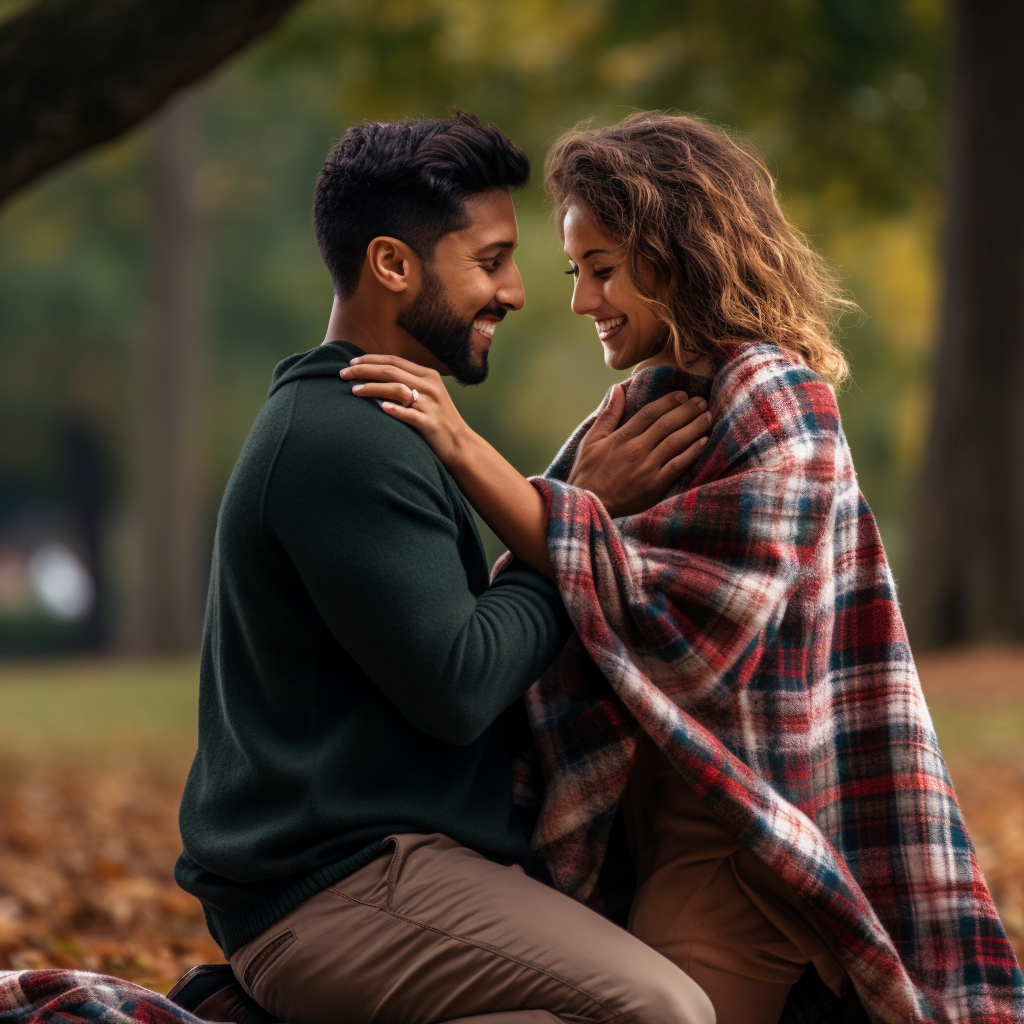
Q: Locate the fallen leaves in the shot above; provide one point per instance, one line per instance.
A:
(991, 793)
(92, 771)
(86, 872)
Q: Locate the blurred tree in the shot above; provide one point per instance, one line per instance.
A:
(968, 569)
(170, 594)
(73, 74)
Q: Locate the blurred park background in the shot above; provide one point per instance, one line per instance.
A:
(149, 285)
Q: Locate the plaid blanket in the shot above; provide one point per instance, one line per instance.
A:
(74, 997)
(749, 625)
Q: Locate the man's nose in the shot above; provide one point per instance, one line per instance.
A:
(510, 294)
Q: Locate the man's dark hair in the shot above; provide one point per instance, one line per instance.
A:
(409, 180)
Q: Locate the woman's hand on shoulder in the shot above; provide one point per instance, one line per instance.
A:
(508, 503)
(630, 468)
(413, 394)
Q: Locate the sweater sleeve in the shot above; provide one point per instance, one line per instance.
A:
(359, 504)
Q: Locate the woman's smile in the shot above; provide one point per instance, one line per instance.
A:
(607, 329)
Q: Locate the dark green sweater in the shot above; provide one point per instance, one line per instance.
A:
(356, 666)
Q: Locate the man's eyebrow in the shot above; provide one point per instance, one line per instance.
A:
(496, 245)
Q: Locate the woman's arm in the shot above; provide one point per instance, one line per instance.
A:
(628, 469)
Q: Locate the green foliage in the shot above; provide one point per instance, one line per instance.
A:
(843, 98)
(823, 85)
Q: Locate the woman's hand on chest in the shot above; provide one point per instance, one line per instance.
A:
(629, 468)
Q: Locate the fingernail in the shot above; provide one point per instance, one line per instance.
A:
(344, 373)
(707, 417)
(355, 359)
(701, 404)
(387, 405)
(357, 387)
(703, 441)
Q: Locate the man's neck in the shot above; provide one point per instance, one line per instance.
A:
(375, 333)
(349, 323)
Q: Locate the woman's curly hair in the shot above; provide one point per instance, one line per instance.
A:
(703, 235)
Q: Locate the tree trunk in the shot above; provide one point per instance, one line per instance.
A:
(967, 570)
(169, 607)
(76, 73)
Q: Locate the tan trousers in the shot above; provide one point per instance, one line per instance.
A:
(710, 905)
(431, 931)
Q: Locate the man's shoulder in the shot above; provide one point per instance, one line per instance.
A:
(342, 449)
(326, 417)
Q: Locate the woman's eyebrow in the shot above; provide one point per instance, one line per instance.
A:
(593, 252)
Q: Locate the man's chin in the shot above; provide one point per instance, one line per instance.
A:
(473, 371)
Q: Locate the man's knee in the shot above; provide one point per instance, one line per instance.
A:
(674, 998)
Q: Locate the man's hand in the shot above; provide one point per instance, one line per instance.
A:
(631, 468)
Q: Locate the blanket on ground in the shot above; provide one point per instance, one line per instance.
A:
(77, 997)
(749, 625)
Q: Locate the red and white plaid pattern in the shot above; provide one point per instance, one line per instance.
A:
(749, 625)
(79, 997)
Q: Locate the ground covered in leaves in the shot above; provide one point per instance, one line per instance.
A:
(93, 758)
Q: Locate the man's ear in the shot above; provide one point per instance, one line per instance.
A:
(393, 264)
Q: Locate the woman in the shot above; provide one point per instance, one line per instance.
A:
(765, 735)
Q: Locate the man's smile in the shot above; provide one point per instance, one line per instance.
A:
(485, 327)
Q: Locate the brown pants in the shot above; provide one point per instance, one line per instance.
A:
(710, 905)
(431, 931)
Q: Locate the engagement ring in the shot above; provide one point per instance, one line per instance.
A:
(415, 395)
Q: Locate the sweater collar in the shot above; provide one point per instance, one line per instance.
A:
(322, 361)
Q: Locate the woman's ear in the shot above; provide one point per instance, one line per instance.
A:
(393, 264)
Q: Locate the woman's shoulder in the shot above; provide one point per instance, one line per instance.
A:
(754, 363)
(764, 385)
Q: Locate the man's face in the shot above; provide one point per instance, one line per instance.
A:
(468, 287)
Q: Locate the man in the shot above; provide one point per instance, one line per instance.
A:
(348, 822)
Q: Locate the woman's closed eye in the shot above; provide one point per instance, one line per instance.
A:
(597, 271)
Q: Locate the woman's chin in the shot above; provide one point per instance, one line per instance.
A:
(615, 359)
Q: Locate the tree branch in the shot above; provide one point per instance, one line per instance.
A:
(74, 73)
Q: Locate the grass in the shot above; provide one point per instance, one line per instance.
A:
(985, 732)
(90, 706)
(98, 707)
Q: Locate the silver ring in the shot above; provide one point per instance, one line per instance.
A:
(415, 396)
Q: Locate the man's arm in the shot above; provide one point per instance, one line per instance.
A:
(359, 504)
(628, 468)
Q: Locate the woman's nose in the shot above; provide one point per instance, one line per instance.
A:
(585, 297)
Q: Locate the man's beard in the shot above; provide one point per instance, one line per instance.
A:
(432, 321)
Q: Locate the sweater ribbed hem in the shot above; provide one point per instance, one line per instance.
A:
(234, 928)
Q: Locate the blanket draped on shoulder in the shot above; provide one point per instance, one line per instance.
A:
(748, 624)
(77, 997)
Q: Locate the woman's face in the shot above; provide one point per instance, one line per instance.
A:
(628, 330)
